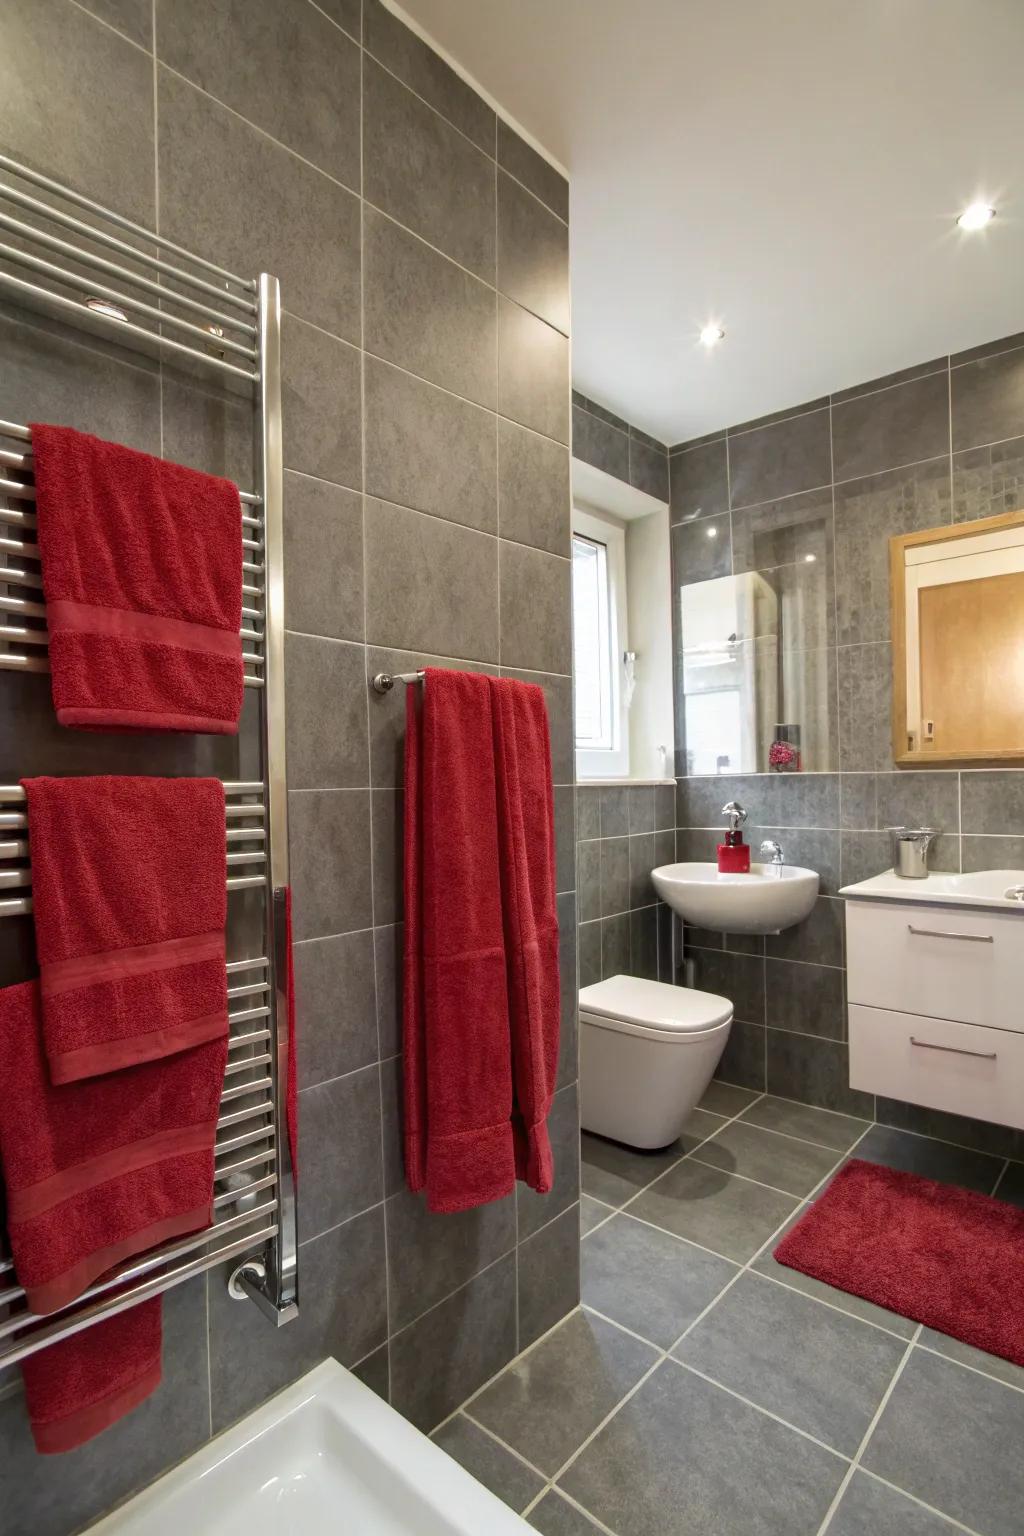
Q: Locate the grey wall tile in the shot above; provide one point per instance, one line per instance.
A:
(588, 811)
(743, 1060)
(816, 1071)
(387, 953)
(988, 481)
(589, 938)
(865, 707)
(642, 859)
(329, 844)
(614, 875)
(527, 166)
(643, 943)
(988, 400)
(915, 799)
(596, 442)
(534, 592)
(534, 497)
(533, 372)
(534, 1210)
(548, 1275)
(772, 461)
(568, 1037)
(992, 800)
(613, 801)
(989, 853)
(108, 155)
(323, 558)
(207, 427)
(702, 550)
(806, 998)
(737, 977)
(429, 449)
(641, 808)
(339, 1150)
(426, 174)
(408, 57)
(600, 411)
(343, 1314)
(320, 404)
(588, 880)
(565, 838)
(533, 254)
(425, 313)
(699, 479)
(615, 946)
(868, 512)
(304, 227)
(410, 597)
(648, 468)
(438, 1361)
(818, 938)
(326, 707)
(336, 1001)
(291, 72)
(440, 1253)
(386, 812)
(900, 425)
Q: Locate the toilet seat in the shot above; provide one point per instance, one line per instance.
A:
(633, 1005)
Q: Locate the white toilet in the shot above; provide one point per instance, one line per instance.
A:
(647, 1053)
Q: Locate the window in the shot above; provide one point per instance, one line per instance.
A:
(599, 629)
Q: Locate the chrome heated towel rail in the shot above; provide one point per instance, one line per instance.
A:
(90, 269)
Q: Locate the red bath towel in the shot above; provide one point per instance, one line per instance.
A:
(78, 1387)
(526, 840)
(99, 1170)
(142, 575)
(457, 1067)
(129, 895)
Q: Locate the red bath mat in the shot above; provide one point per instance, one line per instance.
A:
(937, 1254)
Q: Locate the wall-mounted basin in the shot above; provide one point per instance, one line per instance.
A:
(769, 898)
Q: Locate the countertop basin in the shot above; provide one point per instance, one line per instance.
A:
(769, 898)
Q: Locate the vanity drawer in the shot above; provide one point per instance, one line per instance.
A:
(947, 963)
(963, 1068)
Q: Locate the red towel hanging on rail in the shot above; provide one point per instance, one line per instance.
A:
(142, 576)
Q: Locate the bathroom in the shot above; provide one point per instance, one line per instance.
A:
(617, 346)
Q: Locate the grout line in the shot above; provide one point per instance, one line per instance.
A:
(496, 1438)
(315, 1237)
(109, 27)
(951, 1520)
(876, 1416)
(977, 1370)
(999, 1180)
(732, 1174)
(344, 32)
(786, 1423)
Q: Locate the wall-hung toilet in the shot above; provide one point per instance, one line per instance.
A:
(647, 1053)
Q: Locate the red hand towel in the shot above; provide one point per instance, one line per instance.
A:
(129, 895)
(142, 575)
(526, 841)
(99, 1170)
(458, 1070)
(78, 1387)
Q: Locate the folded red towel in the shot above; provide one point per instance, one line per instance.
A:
(78, 1387)
(457, 1068)
(142, 575)
(129, 896)
(99, 1170)
(526, 842)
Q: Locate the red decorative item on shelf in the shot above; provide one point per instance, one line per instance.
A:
(782, 755)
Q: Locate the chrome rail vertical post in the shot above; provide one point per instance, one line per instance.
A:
(276, 1292)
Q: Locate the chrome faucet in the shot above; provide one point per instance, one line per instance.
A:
(774, 849)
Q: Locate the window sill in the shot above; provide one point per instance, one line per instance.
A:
(640, 783)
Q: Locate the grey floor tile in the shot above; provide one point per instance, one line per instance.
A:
(649, 1281)
(726, 1099)
(546, 1403)
(490, 1463)
(615, 1173)
(555, 1516)
(766, 1264)
(684, 1458)
(809, 1124)
(868, 1508)
(931, 1159)
(731, 1216)
(820, 1370)
(592, 1213)
(978, 1359)
(952, 1438)
(793, 1166)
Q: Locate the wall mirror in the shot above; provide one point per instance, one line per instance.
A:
(958, 642)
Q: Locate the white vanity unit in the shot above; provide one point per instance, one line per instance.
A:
(935, 984)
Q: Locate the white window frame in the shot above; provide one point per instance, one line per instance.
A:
(613, 762)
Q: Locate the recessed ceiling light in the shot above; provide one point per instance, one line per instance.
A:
(711, 335)
(712, 532)
(976, 216)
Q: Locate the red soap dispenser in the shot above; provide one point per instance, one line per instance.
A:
(734, 854)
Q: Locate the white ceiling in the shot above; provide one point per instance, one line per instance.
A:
(790, 167)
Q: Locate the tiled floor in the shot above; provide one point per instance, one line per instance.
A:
(704, 1390)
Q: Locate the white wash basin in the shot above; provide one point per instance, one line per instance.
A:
(326, 1457)
(769, 898)
(984, 888)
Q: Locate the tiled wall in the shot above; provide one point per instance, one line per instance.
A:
(601, 438)
(422, 251)
(939, 443)
(623, 832)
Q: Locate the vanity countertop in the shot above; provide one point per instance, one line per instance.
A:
(983, 888)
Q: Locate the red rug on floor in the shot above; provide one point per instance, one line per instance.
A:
(940, 1255)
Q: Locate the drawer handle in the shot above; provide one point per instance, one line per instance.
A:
(954, 1050)
(948, 933)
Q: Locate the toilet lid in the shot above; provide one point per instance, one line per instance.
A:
(655, 1004)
